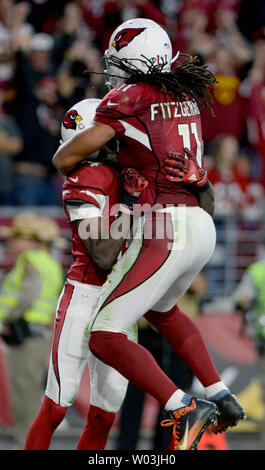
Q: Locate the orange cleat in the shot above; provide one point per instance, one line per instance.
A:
(190, 422)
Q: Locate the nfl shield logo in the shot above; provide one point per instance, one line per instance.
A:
(84, 297)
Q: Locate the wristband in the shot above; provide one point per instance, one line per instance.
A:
(203, 188)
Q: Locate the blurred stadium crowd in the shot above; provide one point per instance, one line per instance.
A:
(49, 48)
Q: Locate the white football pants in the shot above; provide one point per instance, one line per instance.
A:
(164, 257)
(70, 353)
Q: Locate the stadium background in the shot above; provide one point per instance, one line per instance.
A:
(45, 48)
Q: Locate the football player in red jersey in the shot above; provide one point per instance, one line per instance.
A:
(154, 111)
(89, 193)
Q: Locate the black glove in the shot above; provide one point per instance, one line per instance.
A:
(19, 332)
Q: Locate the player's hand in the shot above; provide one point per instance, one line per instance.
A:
(185, 169)
(133, 184)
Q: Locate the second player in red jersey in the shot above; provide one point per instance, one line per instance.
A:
(91, 192)
(92, 189)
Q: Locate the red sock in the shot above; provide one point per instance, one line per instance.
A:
(96, 432)
(47, 420)
(134, 362)
(185, 338)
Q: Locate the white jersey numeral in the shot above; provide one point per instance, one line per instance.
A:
(184, 131)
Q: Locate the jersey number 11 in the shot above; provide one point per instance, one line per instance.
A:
(185, 131)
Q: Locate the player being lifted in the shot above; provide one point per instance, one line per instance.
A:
(153, 111)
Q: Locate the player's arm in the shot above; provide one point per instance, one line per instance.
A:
(206, 199)
(187, 170)
(104, 245)
(79, 147)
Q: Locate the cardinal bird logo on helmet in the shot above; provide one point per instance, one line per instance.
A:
(71, 119)
(124, 37)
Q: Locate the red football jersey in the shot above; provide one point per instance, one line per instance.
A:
(90, 191)
(148, 125)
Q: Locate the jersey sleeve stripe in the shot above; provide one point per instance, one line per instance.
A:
(136, 134)
(100, 199)
(83, 211)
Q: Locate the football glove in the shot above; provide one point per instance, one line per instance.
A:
(185, 169)
(133, 184)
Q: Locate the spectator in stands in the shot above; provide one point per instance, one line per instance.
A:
(6, 56)
(39, 114)
(28, 299)
(229, 36)
(11, 144)
(44, 14)
(230, 54)
(103, 17)
(40, 121)
(192, 22)
(254, 91)
(80, 57)
(236, 191)
(209, 30)
(199, 19)
(33, 62)
(70, 27)
(228, 104)
(5, 9)
(251, 18)
(20, 29)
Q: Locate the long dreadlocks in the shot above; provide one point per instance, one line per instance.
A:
(189, 78)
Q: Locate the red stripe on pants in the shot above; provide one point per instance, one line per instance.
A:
(59, 322)
(152, 256)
